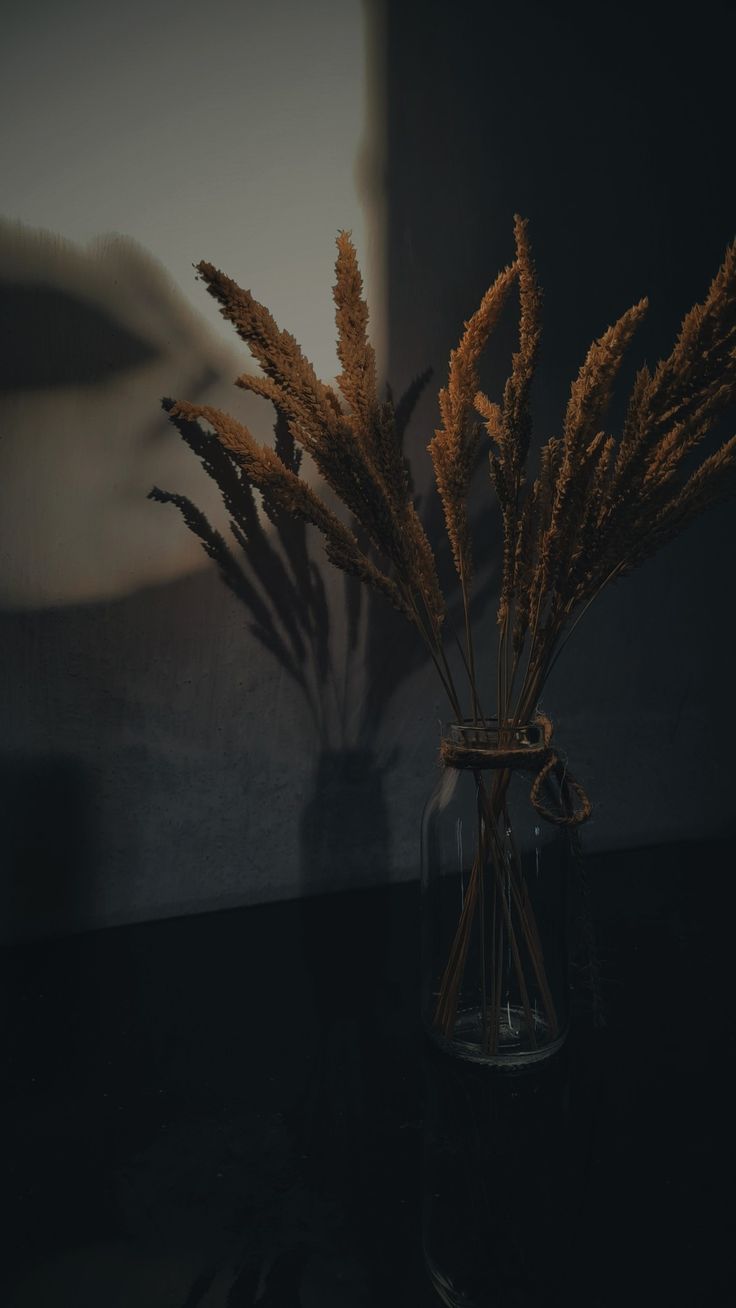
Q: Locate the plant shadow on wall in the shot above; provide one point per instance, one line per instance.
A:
(347, 678)
(92, 336)
(347, 655)
(274, 574)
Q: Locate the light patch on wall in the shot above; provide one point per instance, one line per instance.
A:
(243, 137)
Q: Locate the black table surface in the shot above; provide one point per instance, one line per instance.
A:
(232, 1109)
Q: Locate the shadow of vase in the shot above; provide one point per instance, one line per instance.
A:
(345, 842)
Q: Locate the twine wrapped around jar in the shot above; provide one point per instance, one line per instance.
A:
(529, 754)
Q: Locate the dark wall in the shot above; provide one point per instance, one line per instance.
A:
(611, 130)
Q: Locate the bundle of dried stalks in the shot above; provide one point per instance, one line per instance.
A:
(597, 507)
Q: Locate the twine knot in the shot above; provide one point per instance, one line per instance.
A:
(571, 805)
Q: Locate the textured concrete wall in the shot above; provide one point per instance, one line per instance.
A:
(138, 143)
(156, 757)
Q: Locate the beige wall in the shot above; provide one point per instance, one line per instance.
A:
(136, 141)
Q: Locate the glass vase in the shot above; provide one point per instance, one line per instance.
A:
(494, 877)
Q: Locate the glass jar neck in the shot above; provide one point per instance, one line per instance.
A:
(469, 734)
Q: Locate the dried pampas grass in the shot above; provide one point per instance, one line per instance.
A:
(597, 507)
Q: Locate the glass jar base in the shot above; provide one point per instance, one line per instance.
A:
(445, 1288)
(513, 1047)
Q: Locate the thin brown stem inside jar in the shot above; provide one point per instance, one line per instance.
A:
(512, 922)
